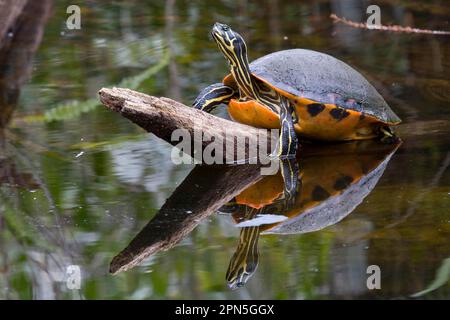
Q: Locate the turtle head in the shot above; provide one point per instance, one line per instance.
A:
(230, 43)
(244, 262)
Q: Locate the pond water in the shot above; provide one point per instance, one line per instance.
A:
(78, 182)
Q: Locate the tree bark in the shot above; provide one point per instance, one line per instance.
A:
(162, 116)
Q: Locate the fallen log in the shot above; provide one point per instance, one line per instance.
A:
(163, 116)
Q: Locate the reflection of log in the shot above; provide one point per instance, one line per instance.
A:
(162, 116)
(21, 29)
(204, 191)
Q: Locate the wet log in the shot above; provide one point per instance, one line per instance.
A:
(162, 116)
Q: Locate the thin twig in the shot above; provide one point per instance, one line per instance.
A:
(393, 28)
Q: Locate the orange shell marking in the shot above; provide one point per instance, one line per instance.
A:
(262, 193)
(332, 123)
(322, 126)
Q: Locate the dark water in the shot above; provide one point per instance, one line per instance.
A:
(78, 182)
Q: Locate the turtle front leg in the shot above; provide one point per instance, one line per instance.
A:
(288, 143)
(213, 95)
(289, 171)
(244, 261)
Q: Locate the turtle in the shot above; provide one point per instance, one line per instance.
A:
(334, 182)
(298, 91)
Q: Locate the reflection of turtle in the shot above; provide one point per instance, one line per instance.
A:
(301, 91)
(333, 185)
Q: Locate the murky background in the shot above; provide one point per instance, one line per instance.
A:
(78, 182)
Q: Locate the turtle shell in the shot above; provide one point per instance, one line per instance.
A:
(320, 77)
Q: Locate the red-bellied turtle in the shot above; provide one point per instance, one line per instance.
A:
(300, 91)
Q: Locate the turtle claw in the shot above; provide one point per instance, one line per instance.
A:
(282, 154)
(389, 136)
(390, 139)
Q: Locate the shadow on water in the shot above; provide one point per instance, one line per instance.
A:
(330, 182)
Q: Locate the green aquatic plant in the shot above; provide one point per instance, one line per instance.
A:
(86, 145)
(64, 111)
(442, 277)
(72, 109)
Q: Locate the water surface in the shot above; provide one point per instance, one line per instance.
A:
(79, 182)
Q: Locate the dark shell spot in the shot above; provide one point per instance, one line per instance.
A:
(319, 194)
(343, 183)
(339, 113)
(362, 117)
(315, 108)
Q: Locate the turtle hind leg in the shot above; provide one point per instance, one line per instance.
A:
(213, 95)
(388, 135)
(288, 142)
